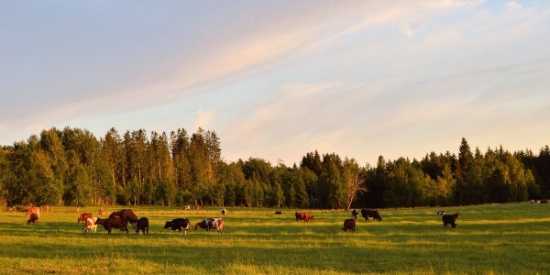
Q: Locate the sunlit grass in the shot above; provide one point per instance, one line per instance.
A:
(489, 239)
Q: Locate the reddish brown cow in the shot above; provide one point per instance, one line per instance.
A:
(111, 223)
(211, 223)
(33, 210)
(33, 218)
(126, 214)
(84, 217)
(101, 211)
(349, 224)
(304, 216)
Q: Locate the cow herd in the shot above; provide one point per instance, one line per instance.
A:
(121, 219)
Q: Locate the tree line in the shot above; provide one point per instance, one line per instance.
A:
(73, 167)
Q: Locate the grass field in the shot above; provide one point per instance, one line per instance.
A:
(489, 239)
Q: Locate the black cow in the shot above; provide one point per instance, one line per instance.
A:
(178, 225)
(111, 223)
(366, 213)
(33, 218)
(354, 213)
(450, 219)
(143, 226)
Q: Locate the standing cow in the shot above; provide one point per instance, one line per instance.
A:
(33, 218)
(142, 226)
(303, 216)
(128, 215)
(111, 223)
(354, 213)
(366, 213)
(211, 223)
(90, 225)
(180, 224)
(450, 219)
(349, 224)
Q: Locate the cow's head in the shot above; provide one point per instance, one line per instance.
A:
(197, 226)
(168, 224)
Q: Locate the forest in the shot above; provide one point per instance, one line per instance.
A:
(72, 167)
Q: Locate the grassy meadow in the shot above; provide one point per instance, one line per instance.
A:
(489, 239)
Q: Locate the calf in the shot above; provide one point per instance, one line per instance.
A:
(303, 216)
(178, 225)
(111, 223)
(440, 212)
(90, 225)
(84, 217)
(33, 218)
(349, 224)
(450, 219)
(142, 226)
(211, 223)
(366, 213)
(224, 211)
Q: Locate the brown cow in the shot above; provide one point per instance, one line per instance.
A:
(304, 216)
(90, 225)
(33, 218)
(349, 224)
(111, 223)
(84, 217)
(33, 210)
(101, 211)
(211, 223)
(126, 214)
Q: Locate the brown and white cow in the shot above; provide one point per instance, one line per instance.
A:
(303, 216)
(90, 225)
(349, 224)
(33, 218)
(33, 210)
(84, 217)
(211, 223)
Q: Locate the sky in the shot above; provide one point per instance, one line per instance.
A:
(278, 79)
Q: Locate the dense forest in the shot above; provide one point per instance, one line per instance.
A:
(73, 167)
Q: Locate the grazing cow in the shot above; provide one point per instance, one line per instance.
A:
(197, 207)
(278, 212)
(354, 213)
(128, 215)
(33, 217)
(90, 225)
(349, 224)
(111, 223)
(450, 219)
(101, 211)
(440, 212)
(186, 207)
(224, 211)
(84, 217)
(143, 226)
(303, 216)
(366, 213)
(211, 223)
(178, 225)
(543, 201)
(33, 210)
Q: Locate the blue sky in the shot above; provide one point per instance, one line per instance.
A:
(278, 79)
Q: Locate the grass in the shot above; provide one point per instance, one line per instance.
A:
(489, 239)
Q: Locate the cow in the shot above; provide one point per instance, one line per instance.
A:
(278, 212)
(440, 212)
(126, 214)
(366, 213)
(186, 207)
(543, 201)
(33, 217)
(354, 213)
(224, 211)
(84, 217)
(450, 219)
(33, 210)
(349, 224)
(90, 225)
(111, 223)
(101, 211)
(211, 223)
(303, 216)
(180, 224)
(142, 226)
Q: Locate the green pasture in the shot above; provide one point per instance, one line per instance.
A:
(489, 239)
